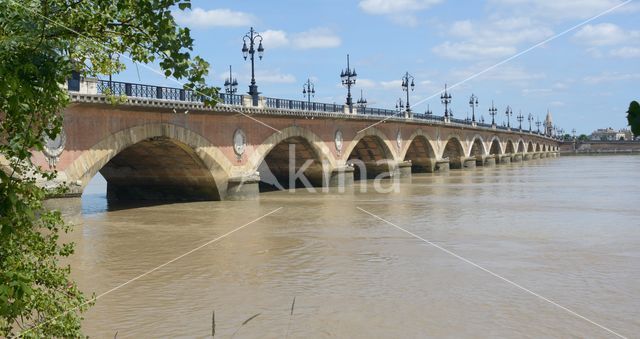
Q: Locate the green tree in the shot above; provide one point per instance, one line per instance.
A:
(583, 137)
(633, 117)
(41, 43)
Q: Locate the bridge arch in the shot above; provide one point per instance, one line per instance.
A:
(530, 148)
(420, 151)
(510, 148)
(454, 151)
(521, 147)
(371, 154)
(296, 146)
(477, 148)
(496, 146)
(138, 163)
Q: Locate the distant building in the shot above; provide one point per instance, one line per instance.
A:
(609, 134)
(548, 124)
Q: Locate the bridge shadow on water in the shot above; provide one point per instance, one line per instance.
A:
(96, 203)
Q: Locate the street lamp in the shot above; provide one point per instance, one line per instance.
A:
(252, 37)
(406, 85)
(348, 77)
(530, 118)
(492, 112)
(473, 102)
(399, 105)
(428, 111)
(362, 102)
(520, 117)
(508, 113)
(309, 90)
(445, 97)
(538, 124)
(230, 84)
(573, 131)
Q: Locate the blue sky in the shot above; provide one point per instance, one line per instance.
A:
(586, 77)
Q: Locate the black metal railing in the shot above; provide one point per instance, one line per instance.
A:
(377, 111)
(178, 94)
(302, 105)
(231, 99)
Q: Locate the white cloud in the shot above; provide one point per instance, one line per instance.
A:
(604, 34)
(626, 52)
(366, 83)
(494, 39)
(316, 38)
(601, 36)
(611, 77)
(514, 75)
(274, 38)
(199, 17)
(537, 91)
(401, 12)
(469, 50)
(275, 77)
(562, 9)
(313, 38)
(391, 84)
(395, 6)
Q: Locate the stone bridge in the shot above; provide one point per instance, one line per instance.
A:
(150, 148)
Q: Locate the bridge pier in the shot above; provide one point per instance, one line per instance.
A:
(517, 157)
(505, 159)
(527, 157)
(341, 177)
(243, 188)
(489, 161)
(404, 169)
(442, 165)
(469, 162)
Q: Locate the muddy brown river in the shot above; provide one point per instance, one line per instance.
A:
(566, 229)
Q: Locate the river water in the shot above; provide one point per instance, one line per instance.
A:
(567, 229)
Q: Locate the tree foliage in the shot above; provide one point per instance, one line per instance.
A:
(633, 117)
(41, 43)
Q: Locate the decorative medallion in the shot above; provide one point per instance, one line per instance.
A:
(399, 139)
(239, 142)
(53, 148)
(338, 140)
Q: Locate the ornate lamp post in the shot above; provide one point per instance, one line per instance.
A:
(252, 37)
(406, 85)
(508, 113)
(445, 98)
(473, 102)
(538, 124)
(492, 112)
(530, 118)
(362, 102)
(399, 105)
(230, 84)
(520, 117)
(309, 90)
(428, 111)
(573, 131)
(348, 77)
